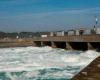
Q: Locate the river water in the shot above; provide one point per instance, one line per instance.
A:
(42, 63)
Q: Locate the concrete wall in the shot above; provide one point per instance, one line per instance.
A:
(71, 38)
(91, 72)
(70, 45)
(83, 42)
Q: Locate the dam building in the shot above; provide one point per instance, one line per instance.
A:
(72, 39)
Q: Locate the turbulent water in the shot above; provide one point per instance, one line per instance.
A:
(44, 63)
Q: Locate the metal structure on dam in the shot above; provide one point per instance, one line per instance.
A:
(75, 42)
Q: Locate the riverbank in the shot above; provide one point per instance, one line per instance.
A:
(91, 72)
(16, 43)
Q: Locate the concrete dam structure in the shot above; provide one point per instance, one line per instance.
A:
(91, 72)
(70, 42)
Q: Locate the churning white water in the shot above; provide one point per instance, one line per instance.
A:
(42, 63)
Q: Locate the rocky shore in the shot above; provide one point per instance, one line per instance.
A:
(91, 72)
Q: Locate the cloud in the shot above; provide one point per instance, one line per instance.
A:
(89, 11)
(51, 20)
(66, 12)
(82, 11)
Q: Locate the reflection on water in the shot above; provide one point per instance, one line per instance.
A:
(44, 63)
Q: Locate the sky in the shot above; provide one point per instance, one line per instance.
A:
(47, 15)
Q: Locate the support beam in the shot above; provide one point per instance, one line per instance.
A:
(68, 46)
(37, 43)
(42, 43)
(34, 44)
(53, 45)
(89, 46)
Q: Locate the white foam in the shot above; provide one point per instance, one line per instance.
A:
(32, 59)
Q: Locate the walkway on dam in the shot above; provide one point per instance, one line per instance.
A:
(71, 42)
(70, 38)
(91, 72)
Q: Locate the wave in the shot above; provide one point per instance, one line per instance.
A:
(43, 62)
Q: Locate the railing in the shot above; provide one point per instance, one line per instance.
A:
(73, 38)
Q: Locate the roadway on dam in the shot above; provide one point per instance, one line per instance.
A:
(84, 42)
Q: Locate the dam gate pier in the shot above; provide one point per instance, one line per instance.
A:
(73, 42)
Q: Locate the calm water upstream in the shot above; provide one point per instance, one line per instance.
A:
(42, 63)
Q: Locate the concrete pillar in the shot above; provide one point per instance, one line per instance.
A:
(53, 45)
(41, 44)
(68, 46)
(89, 46)
(34, 44)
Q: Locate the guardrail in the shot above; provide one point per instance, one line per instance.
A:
(73, 38)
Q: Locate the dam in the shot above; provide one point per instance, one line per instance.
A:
(70, 42)
(76, 42)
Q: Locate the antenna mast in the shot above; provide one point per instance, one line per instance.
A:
(96, 20)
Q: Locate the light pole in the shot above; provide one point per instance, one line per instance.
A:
(96, 20)
(95, 25)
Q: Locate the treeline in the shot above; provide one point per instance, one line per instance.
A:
(19, 34)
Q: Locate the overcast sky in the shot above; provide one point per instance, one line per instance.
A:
(47, 15)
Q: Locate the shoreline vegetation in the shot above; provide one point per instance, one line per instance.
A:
(14, 35)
